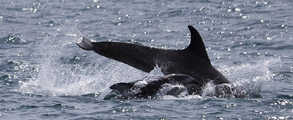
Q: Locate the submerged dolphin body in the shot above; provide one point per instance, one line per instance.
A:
(192, 61)
(149, 89)
(173, 84)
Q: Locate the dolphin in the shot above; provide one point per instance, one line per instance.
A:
(172, 84)
(191, 63)
(149, 89)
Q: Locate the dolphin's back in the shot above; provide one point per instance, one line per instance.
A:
(192, 61)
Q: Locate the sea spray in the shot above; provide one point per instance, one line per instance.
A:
(76, 73)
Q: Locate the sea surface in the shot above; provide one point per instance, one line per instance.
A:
(45, 75)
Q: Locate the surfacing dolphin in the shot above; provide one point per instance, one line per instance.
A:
(149, 89)
(192, 62)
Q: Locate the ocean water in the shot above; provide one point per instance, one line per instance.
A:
(45, 75)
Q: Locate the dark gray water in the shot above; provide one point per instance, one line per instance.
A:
(44, 75)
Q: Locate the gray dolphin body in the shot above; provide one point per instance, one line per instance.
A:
(192, 61)
(149, 89)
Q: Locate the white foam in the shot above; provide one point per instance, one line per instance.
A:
(92, 73)
(247, 79)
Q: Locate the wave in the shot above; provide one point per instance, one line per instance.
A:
(12, 39)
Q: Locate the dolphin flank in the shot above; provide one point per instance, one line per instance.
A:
(192, 61)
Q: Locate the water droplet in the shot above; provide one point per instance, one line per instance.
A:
(262, 21)
(237, 9)
(269, 38)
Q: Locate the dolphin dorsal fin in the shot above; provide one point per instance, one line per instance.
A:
(196, 45)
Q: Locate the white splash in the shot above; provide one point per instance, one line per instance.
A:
(173, 90)
(247, 79)
(88, 73)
